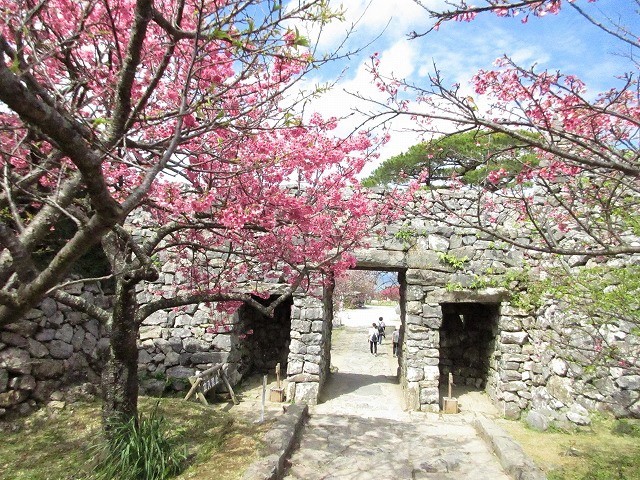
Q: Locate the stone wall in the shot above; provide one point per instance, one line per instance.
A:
(458, 310)
(309, 352)
(51, 348)
(529, 367)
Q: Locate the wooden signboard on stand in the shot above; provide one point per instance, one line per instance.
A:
(208, 380)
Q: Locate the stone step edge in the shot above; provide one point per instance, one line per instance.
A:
(279, 442)
(515, 462)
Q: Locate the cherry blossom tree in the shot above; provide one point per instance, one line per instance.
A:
(160, 131)
(581, 194)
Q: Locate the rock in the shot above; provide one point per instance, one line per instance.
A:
(207, 357)
(294, 367)
(171, 358)
(559, 367)
(93, 327)
(13, 339)
(578, 415)
(56, 405)
(180, 372)
(222, 342)
(77, 339)
(537, 421)
(12, 398)
(429, 396)
(15, 360)
(511, 411)
(23, 327)
(153, 387)
(89, 343)
(36, 349)
(311, 368)
(150, 332)
(415, 374)
(517, 338)
(48, 306)
(46, 335)
(23, 382)
(156, 318)
(48, 368)
(303, 378)
(307, 392)
(64, 333)
(143, 357)
(561, 389)
(60, 349)
(4, 379)
(44, 389)
(629, 382)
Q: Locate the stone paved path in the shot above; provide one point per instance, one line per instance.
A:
(360, 430)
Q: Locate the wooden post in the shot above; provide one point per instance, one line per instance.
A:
(450, 404)
(277, 394)
(264, 394)
(226, 382)
(195, 382)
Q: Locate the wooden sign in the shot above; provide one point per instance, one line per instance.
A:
(208, 380)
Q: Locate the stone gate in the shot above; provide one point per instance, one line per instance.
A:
(462, 312)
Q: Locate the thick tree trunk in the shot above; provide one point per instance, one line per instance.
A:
(120, 375)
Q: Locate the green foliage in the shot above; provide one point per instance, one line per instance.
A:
(139, 449)
(471, 156)
(603, 466)
(457, 263)
(604, 294)
(526, 293)
(405, 234)
(626, 427)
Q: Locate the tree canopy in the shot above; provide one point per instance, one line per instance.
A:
(468, 156)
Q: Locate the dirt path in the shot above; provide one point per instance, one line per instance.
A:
(361, 431)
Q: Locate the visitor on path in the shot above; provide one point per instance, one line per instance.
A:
(381, 326)
(373, 339)
(395, 338)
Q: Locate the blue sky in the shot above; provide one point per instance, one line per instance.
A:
(564, 42)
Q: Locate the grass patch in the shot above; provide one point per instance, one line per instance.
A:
(56, 446)
(608, 450)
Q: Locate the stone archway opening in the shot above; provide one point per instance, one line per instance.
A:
(264, 342)
(467, 346)
(356, 376)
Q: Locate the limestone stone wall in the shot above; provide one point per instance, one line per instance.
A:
(533, 362)
(309, 351)
(51, 348)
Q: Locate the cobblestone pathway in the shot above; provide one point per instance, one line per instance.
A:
(360, 430)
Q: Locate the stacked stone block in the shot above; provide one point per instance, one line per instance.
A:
(53, 346)
(308, 363)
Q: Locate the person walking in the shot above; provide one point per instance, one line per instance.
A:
(373, 339)
(381, 326)
(395, 338)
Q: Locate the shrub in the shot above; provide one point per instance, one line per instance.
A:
(139, 449)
